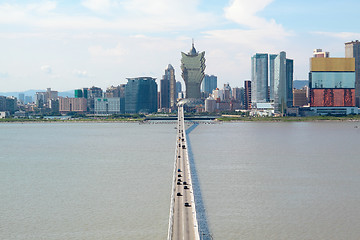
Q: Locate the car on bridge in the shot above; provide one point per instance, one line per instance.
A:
(179, 175)
(178, 194)
(178, 183)
(186, 187)
(187, 205)
(179, 170)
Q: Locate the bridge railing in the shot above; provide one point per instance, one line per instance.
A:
(172, 201)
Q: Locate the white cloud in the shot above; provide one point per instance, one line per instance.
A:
(346, 36)
(100, 6)
(107, 52)
(130, 15)
(4, 74)
(46, 69)
(81, 73)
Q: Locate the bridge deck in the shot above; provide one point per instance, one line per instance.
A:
(184, 223)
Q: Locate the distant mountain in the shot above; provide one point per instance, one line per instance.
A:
(298, 84)
(32, 92)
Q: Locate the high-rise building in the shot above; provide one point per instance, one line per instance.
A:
(168, 89)
(170, 76)
(164, 98)
(271, 96)
(259, 78)
(300, 97)
(28, 99)
(247, 97)
(42, 98)
(178, 88)
(22, 98)
(72, 105)
(283, 82)
(106, 106)
(8, 104)
(332, 85)
(352, 50)
(193, 67)
(92, 93)
(209, 84)
(141, 95)
(280, 73)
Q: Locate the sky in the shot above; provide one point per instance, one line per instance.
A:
(69, 44)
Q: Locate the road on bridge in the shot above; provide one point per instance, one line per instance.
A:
(184, 218)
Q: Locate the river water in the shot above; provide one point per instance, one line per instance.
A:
(113, 180)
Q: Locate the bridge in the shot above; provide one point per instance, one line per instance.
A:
(193, 118)
(182, 220)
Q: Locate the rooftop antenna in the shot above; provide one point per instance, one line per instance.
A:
(193, 42)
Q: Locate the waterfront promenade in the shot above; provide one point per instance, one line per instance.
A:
(182, 221)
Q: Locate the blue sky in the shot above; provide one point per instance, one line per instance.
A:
(68, 44)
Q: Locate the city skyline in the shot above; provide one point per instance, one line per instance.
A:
(66, 45)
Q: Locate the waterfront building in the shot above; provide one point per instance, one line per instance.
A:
(283, 83)
(168, 89)
(107, 106)
(238, 94)
(210, 104)
(300, 97)
(276, 70)
(141, 95)
(227, 92)
(193, 67)
(170, 77)
(164, 98)
(42, 98)
(271, 96)
(247, 97)
(259, 78)
(352, 50)
(209, 84)
(67, 105)
(332, 85)
(8, 104)
(92, 93)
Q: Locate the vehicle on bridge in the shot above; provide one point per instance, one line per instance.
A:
(186, 187)
(178, 194)
(187, 205)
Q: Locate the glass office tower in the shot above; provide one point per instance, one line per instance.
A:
(141, 95)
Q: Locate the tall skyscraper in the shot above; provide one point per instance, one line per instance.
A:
(352, 50)
(209, 84)
(168, 88)
(170, 75)
(279, 69)
(193, 67)
(141, 95)
(259, 78)
(271, 76)
(164, 102)
(283, 82)
(178, 88)
(247, 98)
